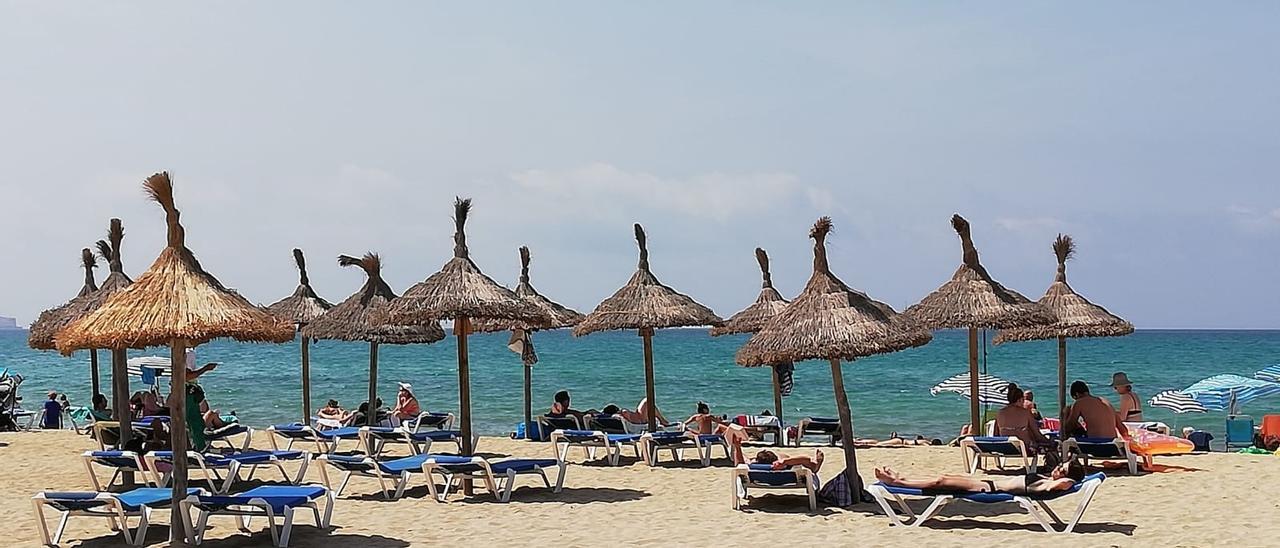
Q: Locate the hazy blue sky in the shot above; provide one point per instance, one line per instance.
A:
(1149, 131)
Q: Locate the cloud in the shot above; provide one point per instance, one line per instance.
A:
(1021, 224)
(1253, 220)
(604, 189)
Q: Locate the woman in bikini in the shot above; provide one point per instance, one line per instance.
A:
(1061, 478)
(1130, 404)
(704, 423)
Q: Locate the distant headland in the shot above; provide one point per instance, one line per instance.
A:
(9, 324)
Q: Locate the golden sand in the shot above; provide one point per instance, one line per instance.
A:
(1197, 500)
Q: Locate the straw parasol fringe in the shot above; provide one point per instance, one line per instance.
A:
(176, 299)
(560, 315)
(831, 321)
(971, 298)
(300, 308)
(752, 318)
(1076, 316)
(645, 303)
(40, 336)
(362, 316)
(175, 303)
(304, 305)
(461, 289)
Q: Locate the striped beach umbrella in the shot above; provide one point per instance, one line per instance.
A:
(1177, 401)
(1270, 374)
(991, 389)
(1229, 392)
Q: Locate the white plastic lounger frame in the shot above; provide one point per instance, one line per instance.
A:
(110, 509)
(291, 436)
(215, 480)
(562, 440)
(650, 448)
(226, 439)
(975, 457)
(393, 486)
(138, 468)
(1039, 509)
(805, 481)
(802, 431)
(500, 486)
(254, 507)
(1122, 446)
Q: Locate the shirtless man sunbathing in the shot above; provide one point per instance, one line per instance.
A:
(1061, 478)
(783, 461)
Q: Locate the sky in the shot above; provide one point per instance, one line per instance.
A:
(1149, 131)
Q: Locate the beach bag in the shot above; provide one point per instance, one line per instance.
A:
(836, 492)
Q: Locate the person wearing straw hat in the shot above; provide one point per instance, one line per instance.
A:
(1130, 404)
(407, 406)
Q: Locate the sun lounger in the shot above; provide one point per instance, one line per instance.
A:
(976, 449)
(612, 424)
(1036, 505)
(817, 426)
(763, 476)
(651, 443)
(590, 440)
(427, 419)
(269, 501)
(119, 461)
(1101, 448)
(392, 475)
(226, 433)
(214, 466)
(290, 433)
(1239, 431)
(764, 425)
(499, 476)
(547, 424)
(116, 507)
(375, 438)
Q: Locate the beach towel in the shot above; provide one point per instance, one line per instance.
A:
(786, 377)
(522, 344)
(836, 492)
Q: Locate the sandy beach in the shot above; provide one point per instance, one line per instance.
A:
(1194, 500)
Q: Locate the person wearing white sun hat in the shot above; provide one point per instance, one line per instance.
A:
(1130, 404)
(407, 406)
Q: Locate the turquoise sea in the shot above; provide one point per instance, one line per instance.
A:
(886, 393)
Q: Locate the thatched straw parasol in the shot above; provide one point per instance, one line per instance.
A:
(972, 299)
(175, 302)
(645, 304)
(1077, 317)
(831, 321)
(462, 292)
(753, 318)
(50, 321)
(362, 317)
(560, 316)
(299, 309)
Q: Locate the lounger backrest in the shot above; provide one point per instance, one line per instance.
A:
(609, 424)
(560, 423)
(1239, 430)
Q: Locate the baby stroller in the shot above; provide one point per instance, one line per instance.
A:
(9, 400)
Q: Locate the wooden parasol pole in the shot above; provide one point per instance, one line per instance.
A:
(306, 380)
(528, 402)
(120, 403)
(371, 416)
(461, 327)
(93, 376)
(178, 438)
(647, 334)
(975, 429)
(1062, 383)
(846, 432)
(777, 401)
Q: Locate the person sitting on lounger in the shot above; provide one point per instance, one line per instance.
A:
(1016, 420)
(1100, 419)
(407, 406)
(704, 423)
(782, 461)
(101, 411)
(333, 412)
(358, 418)
(562, 406)
(1061, 478)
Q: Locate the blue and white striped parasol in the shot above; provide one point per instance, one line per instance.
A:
(1229, 392)
(1270, 374)
(1177, 401)
(991, 389)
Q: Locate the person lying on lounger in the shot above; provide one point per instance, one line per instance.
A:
(783, 461)
(1061, 478)
(639, 416)
(895, 440)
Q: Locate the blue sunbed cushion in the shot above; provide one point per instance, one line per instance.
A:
(346, 432)
(226, 431)
(279, 497)
(259, 457)
(436, 435)
(765, 474)
(521, 465)
(148, 496)
(996, 444)
(669, 438)
(115, 459)
(1099, 447)
(710, 438)
(434, 419)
